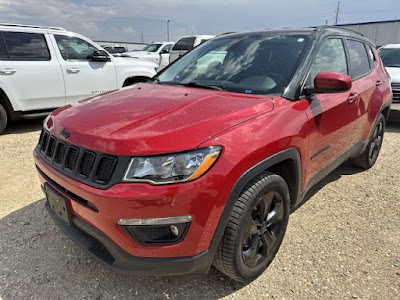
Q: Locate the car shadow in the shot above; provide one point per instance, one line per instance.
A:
(392, 126)
(23, 126)
(39, 261)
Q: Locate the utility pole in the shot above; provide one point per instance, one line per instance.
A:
(167, 30)
(142, 37)
(337, 12)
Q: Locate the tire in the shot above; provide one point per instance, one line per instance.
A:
(368, 158)
(133, 80)
(3, 119)
(259, 217)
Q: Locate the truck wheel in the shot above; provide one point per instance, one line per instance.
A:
(368, 158)
(3, 119)
(255, 228)
(133, 80)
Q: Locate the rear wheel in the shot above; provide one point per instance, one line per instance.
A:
(368, 158)
(3, 119)
(255, 228)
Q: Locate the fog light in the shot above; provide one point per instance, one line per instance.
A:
(157, 230)
(174, 230)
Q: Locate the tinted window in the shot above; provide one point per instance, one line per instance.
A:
(3, 52)
(184, 44)
(73, 48)
(359, 60)
(26, 46)
(390, 57)
(251, 64)
(331, 57)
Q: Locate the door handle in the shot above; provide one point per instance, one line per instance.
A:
(352, 97)
(73, 70)
(379, 82)
(7, 71)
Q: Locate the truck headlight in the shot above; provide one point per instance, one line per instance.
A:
(172, 168)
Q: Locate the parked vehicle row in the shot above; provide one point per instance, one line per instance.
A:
(42, 68)
(157, 180)
(390, 55)
(155, 52)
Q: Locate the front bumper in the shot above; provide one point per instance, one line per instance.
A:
(95, 215)
(100, 246)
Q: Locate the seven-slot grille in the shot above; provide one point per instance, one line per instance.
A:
(88, 166)
(396, 92)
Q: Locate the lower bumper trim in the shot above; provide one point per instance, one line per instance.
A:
(103, 248)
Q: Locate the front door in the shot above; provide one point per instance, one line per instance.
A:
(83, 77)
(331, 119)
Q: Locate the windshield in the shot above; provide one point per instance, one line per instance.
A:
(252, 64)
(152, 47)
(390, 57)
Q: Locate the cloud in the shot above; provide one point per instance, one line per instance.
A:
(127, 19)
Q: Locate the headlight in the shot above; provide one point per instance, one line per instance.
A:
(172, 168)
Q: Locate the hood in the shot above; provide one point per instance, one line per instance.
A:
(394, 74)
(148, 119)
(132, 61)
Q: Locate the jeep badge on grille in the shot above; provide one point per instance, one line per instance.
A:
(65, 133)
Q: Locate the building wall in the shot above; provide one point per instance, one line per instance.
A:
(381, 33)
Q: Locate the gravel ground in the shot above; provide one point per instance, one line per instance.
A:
(343, 243)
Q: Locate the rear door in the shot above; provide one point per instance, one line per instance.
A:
(330, 117)
(83, 77)
(29, 71)
(369, 83)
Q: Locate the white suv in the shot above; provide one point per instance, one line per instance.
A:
(43, 68)
(185, 44)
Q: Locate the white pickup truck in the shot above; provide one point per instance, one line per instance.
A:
(43, 68)
(155, 52)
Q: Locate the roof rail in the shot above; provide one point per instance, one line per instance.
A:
(318, 28)
(32, 26)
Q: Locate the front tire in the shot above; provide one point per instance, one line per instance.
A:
(368, 158)
(3, 119)
(255, 228)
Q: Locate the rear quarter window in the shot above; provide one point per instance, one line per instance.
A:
(184, 44)
(26, 46)
(359, 60)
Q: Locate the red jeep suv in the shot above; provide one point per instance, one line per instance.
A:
(203, 165)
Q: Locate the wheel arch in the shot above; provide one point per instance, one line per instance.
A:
(134, 79)
(286, 164)
(4, 100)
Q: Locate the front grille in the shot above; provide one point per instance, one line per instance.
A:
(88, 166)
(396, 92)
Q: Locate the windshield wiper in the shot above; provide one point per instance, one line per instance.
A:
(205, 86)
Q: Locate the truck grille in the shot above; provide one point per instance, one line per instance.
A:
(87, 166)
(396, 92)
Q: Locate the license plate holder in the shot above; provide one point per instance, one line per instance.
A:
(58, 204)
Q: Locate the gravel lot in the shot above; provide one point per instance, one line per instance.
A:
(342, 243)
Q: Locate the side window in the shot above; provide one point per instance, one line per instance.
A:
(184, 44)
(26, 46)
(73, 48)
(3, 51)
(359, 60)
(331, 57)
(167, 47)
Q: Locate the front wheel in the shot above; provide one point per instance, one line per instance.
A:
(3, 119)
(255, 228)
(368, 158)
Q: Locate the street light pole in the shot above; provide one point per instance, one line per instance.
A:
(167, 30)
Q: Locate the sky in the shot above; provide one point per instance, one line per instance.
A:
(129, 20)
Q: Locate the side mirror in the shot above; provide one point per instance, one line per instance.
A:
(99, 55)
(164, 51)
(331, 82)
